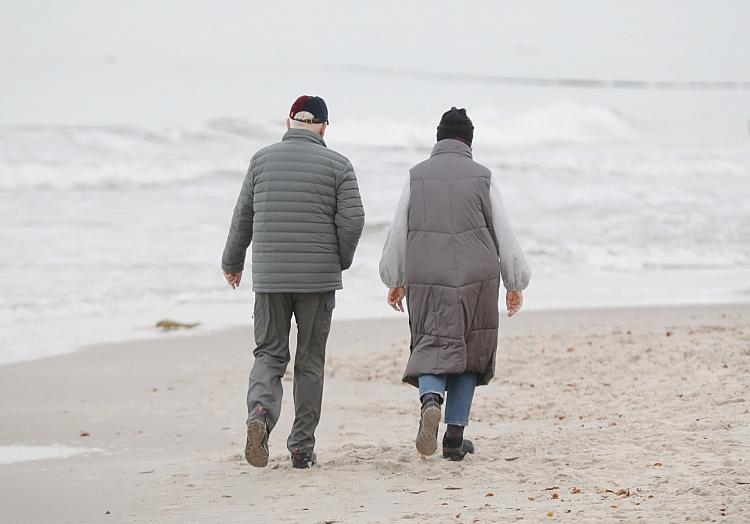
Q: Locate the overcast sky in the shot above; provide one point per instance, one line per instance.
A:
(676, 38)
(48, 45)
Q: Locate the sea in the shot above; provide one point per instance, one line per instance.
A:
(620, 196)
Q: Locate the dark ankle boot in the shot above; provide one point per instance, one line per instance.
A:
(456, 448)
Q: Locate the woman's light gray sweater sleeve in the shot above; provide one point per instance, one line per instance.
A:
(513, 265)
(393, 260)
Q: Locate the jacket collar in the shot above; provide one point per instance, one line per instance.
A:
(303, 135)
(451, 145)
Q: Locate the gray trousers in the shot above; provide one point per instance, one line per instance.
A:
(272, 322)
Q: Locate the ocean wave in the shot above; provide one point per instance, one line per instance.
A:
(112, 157)
(553, 124)
(111, 178)
(564, 123)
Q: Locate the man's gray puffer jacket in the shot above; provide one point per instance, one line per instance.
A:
(300, 206)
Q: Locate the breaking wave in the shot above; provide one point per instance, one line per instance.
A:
(111, 157)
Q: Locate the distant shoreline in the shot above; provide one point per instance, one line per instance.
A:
(206, 332)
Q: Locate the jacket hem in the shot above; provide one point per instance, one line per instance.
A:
(297, 290)
(413, 284)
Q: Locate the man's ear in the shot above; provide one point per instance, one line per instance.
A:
(288, 124)
(323, 130)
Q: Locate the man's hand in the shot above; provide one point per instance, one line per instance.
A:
(396, 298)
(233, 279)
(513, 301)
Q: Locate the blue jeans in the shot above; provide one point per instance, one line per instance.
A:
(460, 390)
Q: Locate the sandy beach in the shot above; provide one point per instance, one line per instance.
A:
(595, 416)
(617, 140)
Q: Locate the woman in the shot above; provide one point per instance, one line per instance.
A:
(448, 247)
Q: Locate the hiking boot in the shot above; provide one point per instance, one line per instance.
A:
(256, 449)
(429, 422)
(302, 459)
(457, 450)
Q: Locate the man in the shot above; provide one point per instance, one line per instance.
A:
(300, 206)
(448, 248)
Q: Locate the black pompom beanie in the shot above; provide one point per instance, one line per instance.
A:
(455, 124)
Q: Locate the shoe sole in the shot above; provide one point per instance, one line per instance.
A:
(255, 452)
(427, 436)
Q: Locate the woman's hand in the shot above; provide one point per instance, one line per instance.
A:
(396, 298)
(513, 301)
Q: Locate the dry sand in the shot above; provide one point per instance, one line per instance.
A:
(595, 416)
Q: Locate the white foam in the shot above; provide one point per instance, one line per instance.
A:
(113, 157)
(558, 123)
(14, 454)
(107, 230)
(563, 122)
